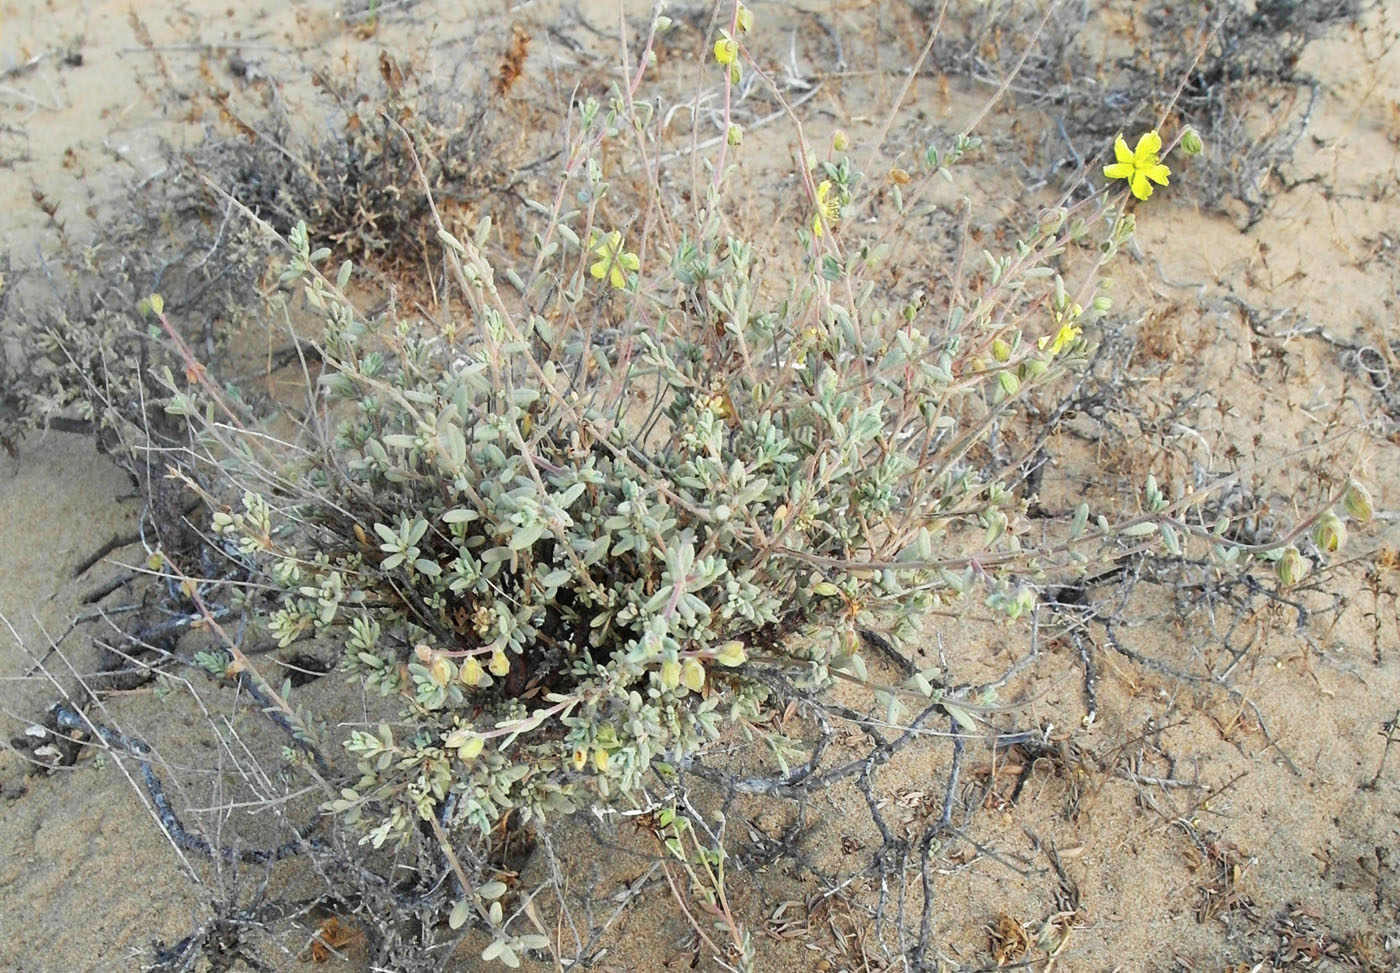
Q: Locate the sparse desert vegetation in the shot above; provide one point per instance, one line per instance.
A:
(817, 486)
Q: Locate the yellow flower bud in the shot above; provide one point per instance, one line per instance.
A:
(780, 517)
(441, 671)
(600, 760)
(670, 674)
(471, 672)
(726, 49)
(1191, 142)
(732, 654)
(840, 141)
(735, 135)
(744, 21)
(1001, 350)
(467, 742)
(580, 757)
(499, 664)
(693, 675)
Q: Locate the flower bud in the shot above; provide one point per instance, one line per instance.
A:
(467, 742)
(441, 671)
(1102, 303)
(732, 654)
(1357, 502)
(1052, 219)
(744, 21)
(499, 664)
(1001, 351)
(471, 672)
(600, 760)
(1330, 533)
(580, 757)
(735, 134)
(840, 141)
(1191, 142)
(693, 674)
(670, 674)
(726, 50)
(1009, 383)
(1291, 567)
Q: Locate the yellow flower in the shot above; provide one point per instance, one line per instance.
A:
(828, 209)
(612, 259)
(1063, 337)
(726, 49)
(745, 18)
(1139, 165)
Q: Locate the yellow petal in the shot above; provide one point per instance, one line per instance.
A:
(1157, 174)
(1140, 186)
(1147, 148)
(1121, 152)
(1119, 170)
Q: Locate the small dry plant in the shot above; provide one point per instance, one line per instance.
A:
(640, 487)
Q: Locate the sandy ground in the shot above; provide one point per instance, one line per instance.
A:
(1196, 828)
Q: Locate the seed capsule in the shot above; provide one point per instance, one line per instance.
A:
(1330, 534)
(1291, 567)
(1357, 502)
